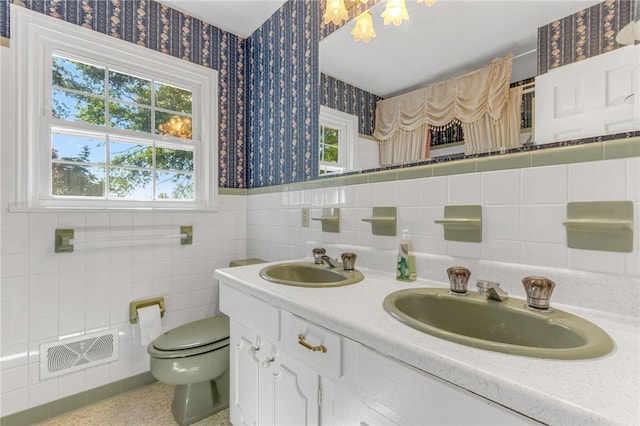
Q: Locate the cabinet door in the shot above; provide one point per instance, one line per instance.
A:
(591, 97)
(387, 391)
(289, 391)
(244, 375)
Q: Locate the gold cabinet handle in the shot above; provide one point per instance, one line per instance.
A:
(319, 348)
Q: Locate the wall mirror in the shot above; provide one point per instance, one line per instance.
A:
(439, 42)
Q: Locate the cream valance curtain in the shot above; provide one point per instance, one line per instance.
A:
(472, 99)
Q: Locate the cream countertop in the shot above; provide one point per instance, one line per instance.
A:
(586, 392)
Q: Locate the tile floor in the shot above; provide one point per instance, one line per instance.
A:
(147, 406)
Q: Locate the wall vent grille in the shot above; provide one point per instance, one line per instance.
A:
(77, 353)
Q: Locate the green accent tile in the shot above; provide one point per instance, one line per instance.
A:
(138, 381)
(385, 176)
(566, 155)
(65, 405)
(298, 186)
(504, 162)
(313, 184)
(622, 148)
(254, 191)
(266, 189)
(355, 179)
(454, 167)
(415, 172)
(104, 392)
(331, 182)
(27, 417)
(232, 191)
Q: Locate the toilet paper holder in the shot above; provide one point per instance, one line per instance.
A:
(137, 304)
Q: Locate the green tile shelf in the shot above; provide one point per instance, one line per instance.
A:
(600, 225)
(462, 223)
(383, 221)
(330, 220)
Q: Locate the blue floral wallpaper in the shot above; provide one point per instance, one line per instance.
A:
(584, 34)
(344, 97)
(282, 93)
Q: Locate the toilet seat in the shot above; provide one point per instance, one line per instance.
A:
(194, 338)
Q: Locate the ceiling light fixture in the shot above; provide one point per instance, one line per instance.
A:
(336, 12)
(396, 12)
(363, 30)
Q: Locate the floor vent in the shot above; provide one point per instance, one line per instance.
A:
(77, 353)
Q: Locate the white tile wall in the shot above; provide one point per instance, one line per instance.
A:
(523, 211)
(45, 296)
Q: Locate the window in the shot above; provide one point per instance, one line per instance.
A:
(329, 138)
(338, 132)
(114, 126)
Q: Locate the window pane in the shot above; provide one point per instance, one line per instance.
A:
(129, 88)
(173, 98)
(176, 186)
(77, 180)
(77, 76)
(75, 107)
(174, 125)
(130, 154)
(77, 148)
(174, 159)
(129, 117)
(330, 136)
(129, 183)
(330, 154)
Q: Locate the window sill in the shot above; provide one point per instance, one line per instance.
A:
(14, 208)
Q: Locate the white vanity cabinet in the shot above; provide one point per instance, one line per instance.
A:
(286, 370)
(595, 96)
(269, 384)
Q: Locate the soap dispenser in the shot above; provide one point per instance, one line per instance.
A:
(406, 270)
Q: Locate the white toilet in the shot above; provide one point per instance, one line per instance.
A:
(195, 358)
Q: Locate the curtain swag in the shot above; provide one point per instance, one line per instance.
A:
(468, 99)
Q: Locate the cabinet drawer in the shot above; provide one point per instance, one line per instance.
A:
(251, 311)
(314, 345)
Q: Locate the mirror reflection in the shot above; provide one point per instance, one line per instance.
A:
(432, 61)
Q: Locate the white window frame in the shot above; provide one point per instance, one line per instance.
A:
(347, 126)
(35, 37)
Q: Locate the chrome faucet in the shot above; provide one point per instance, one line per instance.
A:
(348, 259)
(492, 290)
(332, 263)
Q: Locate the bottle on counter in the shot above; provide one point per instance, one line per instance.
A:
(406, 270)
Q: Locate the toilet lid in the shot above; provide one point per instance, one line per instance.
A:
(194, 334)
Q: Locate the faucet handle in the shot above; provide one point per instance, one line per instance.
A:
(538, 290)
(317, 255)
(348, 261)
(458, 279)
